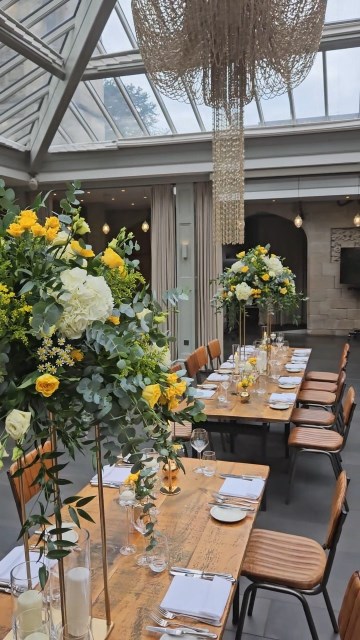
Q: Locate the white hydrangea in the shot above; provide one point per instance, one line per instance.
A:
(85, 298)
(237, 266)
(274, 264)
(243, 291)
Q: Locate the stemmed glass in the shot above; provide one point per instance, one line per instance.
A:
(225, 384)
(280, 338)
(127, 500)
(199, 441)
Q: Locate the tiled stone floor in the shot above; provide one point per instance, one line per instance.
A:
(276, 616)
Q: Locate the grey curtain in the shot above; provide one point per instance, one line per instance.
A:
(163, 251)
(209, 325)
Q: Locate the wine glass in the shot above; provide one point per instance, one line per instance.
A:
(280, 337)
(199, 441)
(225, 384)
(127, 500)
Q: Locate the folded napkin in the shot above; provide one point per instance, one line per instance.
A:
(299, 359)
(241, 488)
(14, 557)
(282, 397)
(112, 475)
(197, 597)
(217, 377)
(227, 365)
(289, 380)
(204, 393)
(303, 352)
(290, 366)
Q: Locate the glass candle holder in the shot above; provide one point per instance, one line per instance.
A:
(30, 626)
(28, 597)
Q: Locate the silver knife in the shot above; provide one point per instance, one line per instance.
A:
(112, 485)
(201, 572)
(5, 590)
(204, 576)
(230, 505)
(242, 477)
(182, 632)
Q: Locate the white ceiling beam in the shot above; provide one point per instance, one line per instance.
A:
(340, 35)
(90, 22)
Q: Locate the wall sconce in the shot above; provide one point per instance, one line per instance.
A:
(184, 250)
(357, 220)
(105, 228)
(298, 221)
(145, 226)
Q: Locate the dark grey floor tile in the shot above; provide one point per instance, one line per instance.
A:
(287, 621)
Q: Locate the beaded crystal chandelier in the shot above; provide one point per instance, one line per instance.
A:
(226, 53)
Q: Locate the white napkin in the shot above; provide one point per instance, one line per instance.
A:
(113, 475)
(282, 397)
(197, 597)
(297, 359)
(204, 393)
(227, 365)
(289, 380)
(241, 488)
(302, 352)
(217, 377)
(14, 557)
(290, 366)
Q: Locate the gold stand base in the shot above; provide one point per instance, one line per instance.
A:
(100, 630)
(170, 492)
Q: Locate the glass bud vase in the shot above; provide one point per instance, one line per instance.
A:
(29, 600)
(77, 584)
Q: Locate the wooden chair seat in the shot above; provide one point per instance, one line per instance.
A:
(315, 417)
(316, 385)
(315, 439)
(349, 616)
(314, 396)
(278, 558)
(322, 376)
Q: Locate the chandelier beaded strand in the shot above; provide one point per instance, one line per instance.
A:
(226, 53)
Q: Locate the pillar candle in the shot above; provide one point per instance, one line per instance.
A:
(77, 590)
(28, 608)
(236, 362)
(38, 635)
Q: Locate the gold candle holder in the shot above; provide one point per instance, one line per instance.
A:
(170, 471)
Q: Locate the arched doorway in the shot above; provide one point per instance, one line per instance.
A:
(286, 241)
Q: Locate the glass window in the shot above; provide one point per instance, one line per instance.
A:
(343, 73)
(146, 104)
(276, 109)
(342, 10)
(251, 115)
(114, 38)
(126, 7)
(116, 105)
(206, 115)
(309, 95)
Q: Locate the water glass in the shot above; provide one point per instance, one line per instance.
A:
(261, 385)
(159, 555)
(199, 441)
(209, 459)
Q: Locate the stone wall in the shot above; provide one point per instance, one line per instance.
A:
(332, 308)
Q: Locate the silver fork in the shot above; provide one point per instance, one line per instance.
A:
(165, 623)
(171, 616)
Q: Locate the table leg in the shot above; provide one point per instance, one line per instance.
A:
(265, 429)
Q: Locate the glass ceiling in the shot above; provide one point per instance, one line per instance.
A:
(125, 105)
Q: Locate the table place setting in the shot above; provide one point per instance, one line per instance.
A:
(204, 393)
(12, 559)
(198, 598)
(113, 476)
(289, 382)
(295, 366)
(281, 401)
(242, 488)
(302, 351)
(217, 377)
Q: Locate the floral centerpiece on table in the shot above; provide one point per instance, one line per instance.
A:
(80, 344)
(257, 277)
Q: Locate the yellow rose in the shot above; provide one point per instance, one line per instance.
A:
(151, 394)
(85, 253)
(173, 403)
(37, 230)
(77, 355)
(51, 234)
(114, 319)
(15, 230)
(265, 277)
(132, 477)
(52, 223)
(180, 387)
(172, 378)
(241, 254)
(27, 218)
(252, 361)
(112, 259)
(286, 282)
(244, 269)
(47, 384)
(283, 290)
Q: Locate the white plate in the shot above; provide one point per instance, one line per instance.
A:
(208, 385)
(226, 514)
(290, 385)
(69, 536)
(279, 405)
(294, 369)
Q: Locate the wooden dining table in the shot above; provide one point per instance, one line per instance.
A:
(196, 540)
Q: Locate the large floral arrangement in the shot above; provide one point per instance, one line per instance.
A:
(80, 344)
(257, 277)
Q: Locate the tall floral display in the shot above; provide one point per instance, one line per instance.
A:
(257, 277)
(80, 345)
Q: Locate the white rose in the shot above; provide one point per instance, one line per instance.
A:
(73, 278)
(81, 227)
(237, 266)
(274, 264)
(61, 239)
(243, 291)
(17, 423)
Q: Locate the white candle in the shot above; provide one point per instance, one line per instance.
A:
(29, 607)
(77, 590)
(236, 362)
(38, 635)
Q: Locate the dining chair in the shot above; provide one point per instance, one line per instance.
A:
(315, 416)
(292, 564)
(329, 376)
(214, 351)
(191, 365)
(324, 441)
(349, 615)
(181, 433)
(33, 466)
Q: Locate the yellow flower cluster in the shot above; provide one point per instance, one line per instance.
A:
(265, 277)
(171, 395)
(132, 477)
(114, 320)
(27, 220)
(47, 385)
(262, 251)
(113, 260)
(256, 293)
(53, 357)
(84, 252)
(283, 290)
